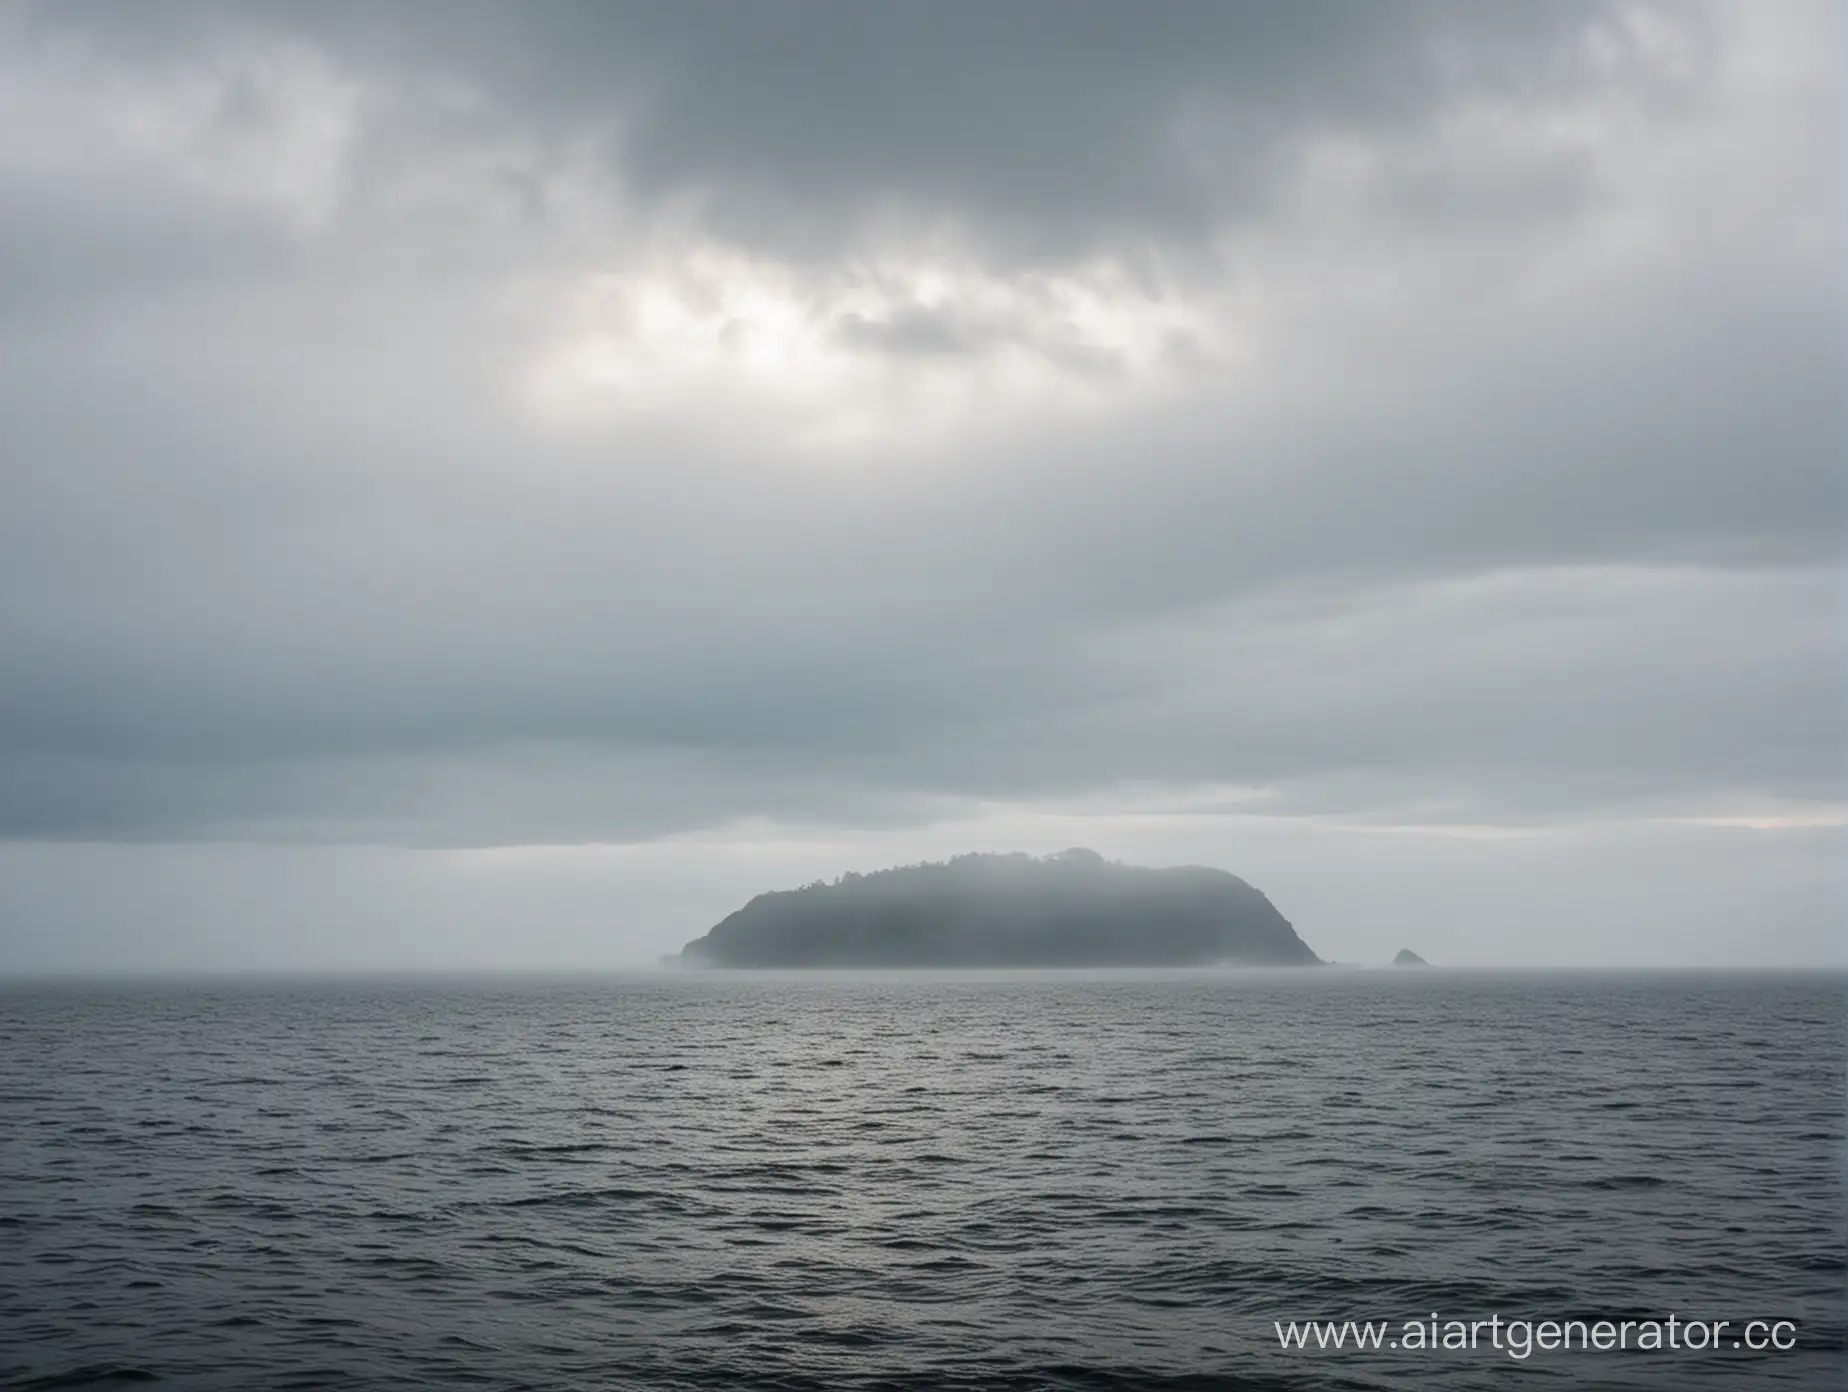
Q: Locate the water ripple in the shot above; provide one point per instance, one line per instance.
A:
(1055, 1182)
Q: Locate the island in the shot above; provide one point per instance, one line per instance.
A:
(1072, 909)
(1408, 958)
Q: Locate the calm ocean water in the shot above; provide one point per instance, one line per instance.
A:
(1056, 1181)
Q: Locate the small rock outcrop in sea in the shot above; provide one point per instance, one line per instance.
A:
(1408, 958)
(1074, 909)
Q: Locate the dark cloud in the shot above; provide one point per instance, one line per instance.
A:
(912, 332)
(1043, 124)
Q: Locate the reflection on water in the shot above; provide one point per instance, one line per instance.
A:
(1030, 1181)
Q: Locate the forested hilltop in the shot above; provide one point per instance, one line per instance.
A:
(1073, 909)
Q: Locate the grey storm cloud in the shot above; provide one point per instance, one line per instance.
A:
(1052, 122)
(500, 425)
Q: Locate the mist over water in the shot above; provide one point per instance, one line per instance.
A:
(958, 1180)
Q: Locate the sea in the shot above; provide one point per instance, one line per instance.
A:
(923, 1181)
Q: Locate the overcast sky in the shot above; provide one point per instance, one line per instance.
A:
(498, 485)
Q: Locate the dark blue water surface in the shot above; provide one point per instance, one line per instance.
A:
(1057, 1181)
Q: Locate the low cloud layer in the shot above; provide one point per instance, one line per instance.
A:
(870, 433)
